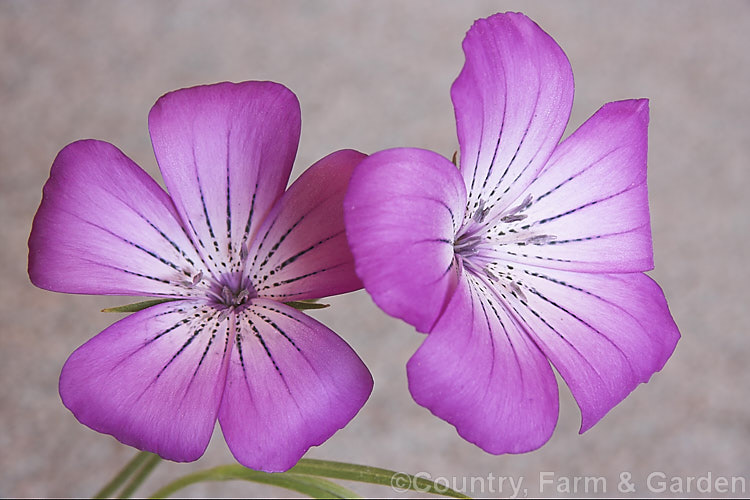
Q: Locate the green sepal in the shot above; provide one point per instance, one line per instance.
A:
(306, 304)
(137, 306)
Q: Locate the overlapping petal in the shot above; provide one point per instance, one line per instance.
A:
(225, 152)
(156, 380)
(402, 212)
(512, 101)
(153, 380)
(291, 384)
(551, 240)
(605, 333)
(105, 227)
(480, 371)
(591, 198)
(301, 251)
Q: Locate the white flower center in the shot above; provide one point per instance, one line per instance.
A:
(480, 241)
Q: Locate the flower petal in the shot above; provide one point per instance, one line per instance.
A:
(225, 152)
(480, 372)
(592, 198)
(154, 380)
(512, 102)
(292, 383)
(605, 334)
(301, 250)
(105, 227)
(402, 211)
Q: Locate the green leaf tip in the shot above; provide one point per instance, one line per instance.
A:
(137, 306)
(306, 304)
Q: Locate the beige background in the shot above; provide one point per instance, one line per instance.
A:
(373, 75)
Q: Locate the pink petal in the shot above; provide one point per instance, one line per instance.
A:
(301, 250)
(154, 380)
(480, 372)
(592, 197)
(402, 212)
(605, 333)
(292, 383)
(105, 227)
(225, 152)
(512, 102)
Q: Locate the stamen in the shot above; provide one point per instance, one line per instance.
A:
(517, 291)
(241, 296)
(227, 295)
(491, 274)
(513, 218)
(526, 203)
(197, 278)
(467, 246)
(541, 239)
(481, 213)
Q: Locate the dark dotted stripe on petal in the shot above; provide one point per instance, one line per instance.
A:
(278, 243)
(278, 311)
(593, 164)
(159, 231)
(265, 348)
(585, 205)
(278, 329)
(131, 243)
(294, 257)
(583, 322)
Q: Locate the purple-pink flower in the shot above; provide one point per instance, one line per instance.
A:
(230, 247)
(531, 252)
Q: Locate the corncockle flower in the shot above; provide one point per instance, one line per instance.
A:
(230, 247)
(531, 252)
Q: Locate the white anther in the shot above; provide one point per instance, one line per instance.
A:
(541, 239)
(492, 275)
(526, 203)
(481, 213)
(197, 278)
(517, 290)
(513, 217)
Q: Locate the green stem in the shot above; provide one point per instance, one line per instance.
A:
(140, 476)
(372, 475)
(122, 476)
(307, 485)
(307, 477)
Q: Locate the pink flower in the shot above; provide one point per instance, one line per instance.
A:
(532, 252)
(230, 246)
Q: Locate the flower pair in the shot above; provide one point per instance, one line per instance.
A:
(530, 252)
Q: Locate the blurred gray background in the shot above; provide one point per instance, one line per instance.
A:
(374, 75)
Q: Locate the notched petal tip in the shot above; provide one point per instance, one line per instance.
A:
(478, 371)
(153, 380)
(104, 226)
(225, 152)
(292, 383)
(512, 101)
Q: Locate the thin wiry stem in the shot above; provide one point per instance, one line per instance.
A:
(131, 467)
(151, 462)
